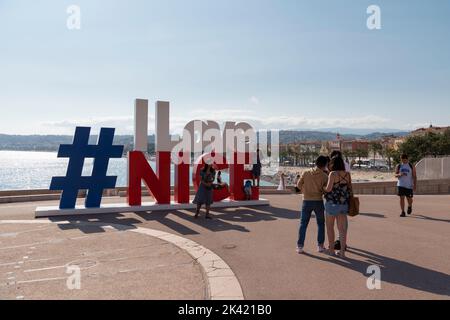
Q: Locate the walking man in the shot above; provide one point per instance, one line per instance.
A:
(311, 184)
(405, 172)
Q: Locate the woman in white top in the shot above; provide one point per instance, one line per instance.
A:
(282, 185)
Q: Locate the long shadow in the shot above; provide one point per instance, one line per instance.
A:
(396, 271)
(281, 212)
(218, 223)
(419, 216)
(373, 215)
(96, 223)
(244, 215)
(220, 218)
(161, 217)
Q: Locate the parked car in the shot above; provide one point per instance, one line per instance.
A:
(380, 167)
(362, 164)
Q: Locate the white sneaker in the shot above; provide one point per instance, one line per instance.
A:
(320, 249)
(300, 250)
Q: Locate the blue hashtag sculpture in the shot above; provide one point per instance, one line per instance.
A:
(77, 153)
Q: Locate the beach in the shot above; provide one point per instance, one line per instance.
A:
(358, 175)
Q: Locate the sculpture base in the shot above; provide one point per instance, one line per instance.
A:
(55, 211)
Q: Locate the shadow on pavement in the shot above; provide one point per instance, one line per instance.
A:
(396, 271)
(419, 216)
(373, 215)
(222, 219)
(215, 224)
(95, 223)
(162, 218)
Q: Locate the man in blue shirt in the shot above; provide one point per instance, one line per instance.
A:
(405, 172)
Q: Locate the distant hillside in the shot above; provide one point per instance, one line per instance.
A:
(296, 136)
(52, 142)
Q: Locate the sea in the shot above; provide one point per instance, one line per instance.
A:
(25, 170)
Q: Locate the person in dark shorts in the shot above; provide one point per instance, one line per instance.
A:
(405, 172)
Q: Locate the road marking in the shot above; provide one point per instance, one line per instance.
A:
(43, 269)
(221, 280)
(8, 264)
(41, 280)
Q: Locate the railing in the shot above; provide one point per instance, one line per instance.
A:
(433, 168)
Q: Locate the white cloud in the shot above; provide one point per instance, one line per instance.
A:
(254, 100)
(124, 124)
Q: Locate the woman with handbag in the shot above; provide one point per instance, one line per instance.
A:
(337, 195)
(204, 195)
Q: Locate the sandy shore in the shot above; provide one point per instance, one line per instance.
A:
(358, 175)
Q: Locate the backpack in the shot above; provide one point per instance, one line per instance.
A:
(410, 165)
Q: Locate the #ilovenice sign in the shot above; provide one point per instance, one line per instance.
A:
(233, 148)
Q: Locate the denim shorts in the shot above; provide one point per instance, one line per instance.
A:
(335, 209)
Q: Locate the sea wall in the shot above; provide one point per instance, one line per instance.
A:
(432, 187)
(425, 187)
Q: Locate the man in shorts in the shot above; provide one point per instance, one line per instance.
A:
(405, 172)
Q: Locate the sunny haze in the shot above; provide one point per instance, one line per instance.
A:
(276, 64)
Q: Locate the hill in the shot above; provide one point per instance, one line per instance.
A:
(52, 142)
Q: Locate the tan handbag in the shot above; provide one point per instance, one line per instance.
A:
(353, 208)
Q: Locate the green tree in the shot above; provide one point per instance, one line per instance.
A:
(390, 154)
(430, 144)
(375, 147)
(361, 153)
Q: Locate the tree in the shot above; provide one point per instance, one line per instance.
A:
(375, 147)
(361, 153)
(390, 154)
(430, 144)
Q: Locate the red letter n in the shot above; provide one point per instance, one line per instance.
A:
(157, 184)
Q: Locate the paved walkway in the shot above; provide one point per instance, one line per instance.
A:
(259, 245)
(37, 262)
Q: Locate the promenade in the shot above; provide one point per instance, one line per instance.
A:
(124, 257)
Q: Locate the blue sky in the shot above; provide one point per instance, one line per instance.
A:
(277, 64)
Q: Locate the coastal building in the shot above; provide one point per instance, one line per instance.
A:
(430, 129)
(340, 144)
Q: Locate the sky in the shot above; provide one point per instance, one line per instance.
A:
(277, 64)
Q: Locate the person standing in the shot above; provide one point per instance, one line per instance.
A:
(311, 184)
(204, 195)
(406, 174)
(248, 190)
(256, 169)
(338, 191)
(337, 153)
(297, 179)
(282, 185)
(220, 184)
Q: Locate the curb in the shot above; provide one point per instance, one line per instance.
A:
(222, 282)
